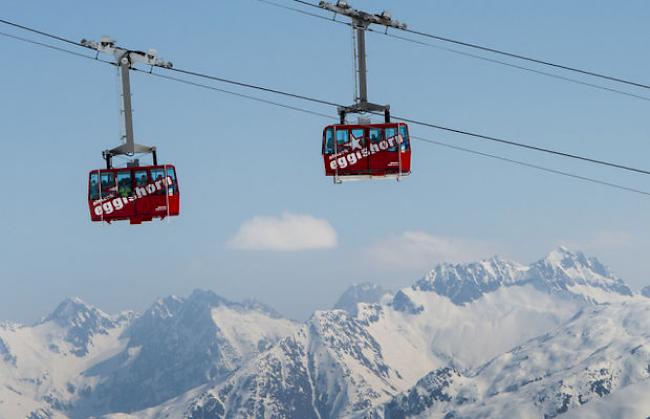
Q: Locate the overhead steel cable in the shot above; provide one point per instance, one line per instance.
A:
(512, 54)
(525, 146)
(431, 125)
(516, 66)
(295, 108)
(253, 86)
(192, 73)
(53, 47)
(531, 165)
(228, 92)
(428, 124)
(462, 53)
(295, 9)
(409, 120)
(530, 59)
(42, 33)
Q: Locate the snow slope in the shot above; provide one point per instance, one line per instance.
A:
(600, 356)
(41, 370)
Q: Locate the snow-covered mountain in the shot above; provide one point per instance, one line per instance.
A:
(600, 350)
(463, 283)
(444, 328)
(562, 272)
(79, 361)
(341, 364)
(573, 274)
(360, 293)
(488, 339)
(646, 291)
(41, 365)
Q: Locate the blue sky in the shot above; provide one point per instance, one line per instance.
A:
(238, 160)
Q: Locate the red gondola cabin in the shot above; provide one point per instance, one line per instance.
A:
(367, 151)
(136, 194)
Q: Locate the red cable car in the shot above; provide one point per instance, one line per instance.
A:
(367, 151)
(137, 194)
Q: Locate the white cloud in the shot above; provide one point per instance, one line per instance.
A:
(286, 233)
(416, 250)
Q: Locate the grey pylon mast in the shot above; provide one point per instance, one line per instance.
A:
(360, 23)
(125, 59)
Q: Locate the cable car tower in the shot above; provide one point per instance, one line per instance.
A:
(365, 150)
(124, 60)
(135, 193)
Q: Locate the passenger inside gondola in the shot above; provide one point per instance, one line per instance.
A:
(156, 178)
(405, 137)
(172, 175)
(94, 187)
(107, 185)
(124, 184)
(141, 178)
(392, 133)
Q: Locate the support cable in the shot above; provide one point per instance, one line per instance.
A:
(324, 102)
(464, 53)
(509, 54)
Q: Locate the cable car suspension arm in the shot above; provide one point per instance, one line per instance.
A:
(125, 59)
(360, 22)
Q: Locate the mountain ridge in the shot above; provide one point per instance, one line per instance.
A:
(561, 272)
(462, 339)
(384, 348)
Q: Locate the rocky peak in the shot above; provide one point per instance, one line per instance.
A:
(646, 291)
(360, 293)
(81, 322)
(463, 283)
(564, 271)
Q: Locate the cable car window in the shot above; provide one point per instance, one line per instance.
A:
(357, 141)
(171, 173)
(124, 188)
(141, 178)
(391, 133)
(341, 139)
(376, 135)
(156, 176)
(405, 136)
(107, 185)
(329, 146)
(93, 192)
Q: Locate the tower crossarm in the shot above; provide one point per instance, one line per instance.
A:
(361, 18)
(107, 46)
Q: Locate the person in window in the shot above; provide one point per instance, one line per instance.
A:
(141, 180)
(94, 191)
(125, 188)
(159, 177)
(107, 189)
(171, 177)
